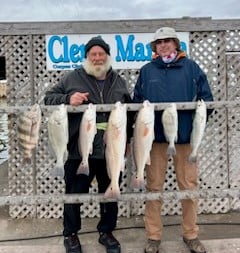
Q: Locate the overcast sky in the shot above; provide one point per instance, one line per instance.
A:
(68, 10)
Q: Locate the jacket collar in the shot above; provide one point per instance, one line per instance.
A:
(156, 59)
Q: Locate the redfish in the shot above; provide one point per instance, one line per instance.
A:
(143, 136)
(115, 139)
(87, 132)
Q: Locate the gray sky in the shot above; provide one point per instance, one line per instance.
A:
(68, 10)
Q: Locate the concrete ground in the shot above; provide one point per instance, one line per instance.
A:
(220, 233)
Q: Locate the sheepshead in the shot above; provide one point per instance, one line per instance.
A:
(115, 140)
(170, 127)
(199, 124)
(28, 131)
(143, 137)
(87, 132)
(58, 138)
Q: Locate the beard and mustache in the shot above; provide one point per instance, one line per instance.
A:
(98, 70)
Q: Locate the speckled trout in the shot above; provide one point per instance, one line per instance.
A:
(199, 124)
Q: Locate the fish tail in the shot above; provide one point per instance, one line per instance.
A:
(27, 160)
(57, 171)
(192, 158)
(137, 183)
(83, 168)
(171, 151)
(112, 193)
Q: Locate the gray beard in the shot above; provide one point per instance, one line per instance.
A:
(99, 70)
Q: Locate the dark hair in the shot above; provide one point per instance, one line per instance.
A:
(177, 43)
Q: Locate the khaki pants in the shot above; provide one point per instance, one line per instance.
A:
(186, 175)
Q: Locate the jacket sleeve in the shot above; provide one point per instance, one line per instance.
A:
(137, 93)
(57, 94)
(204, 90)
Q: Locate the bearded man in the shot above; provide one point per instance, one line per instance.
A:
(95, 82)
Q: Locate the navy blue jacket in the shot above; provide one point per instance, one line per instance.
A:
(179, 81)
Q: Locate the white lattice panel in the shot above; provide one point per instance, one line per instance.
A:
(232, 41)
(26, 62)
(233, 74)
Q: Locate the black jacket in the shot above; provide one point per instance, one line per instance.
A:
(115, 89)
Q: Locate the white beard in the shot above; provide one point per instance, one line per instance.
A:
(97, 70)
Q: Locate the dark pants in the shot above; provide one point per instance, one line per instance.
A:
(80, 184)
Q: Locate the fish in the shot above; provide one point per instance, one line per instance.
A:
(170, 127)
(198, 129)
(87, 132)
(143, 136)
(28, 127)
(58, 138)
(115, 140)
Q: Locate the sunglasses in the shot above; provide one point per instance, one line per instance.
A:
(163, 40)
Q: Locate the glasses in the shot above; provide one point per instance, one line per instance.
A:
(163, 40)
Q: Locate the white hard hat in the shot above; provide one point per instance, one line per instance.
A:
(164, 33)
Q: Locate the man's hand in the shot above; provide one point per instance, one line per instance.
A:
(78, 98)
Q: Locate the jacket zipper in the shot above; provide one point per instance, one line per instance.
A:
(112, 85)
(101, 92)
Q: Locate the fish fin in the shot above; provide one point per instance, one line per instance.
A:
(148, 162)
(58, 170)
(91, 150)
(65, 155)
(123, 164)
(153, 136)
(137, 183)
(171, 151)
(83, 168)
(112, 193)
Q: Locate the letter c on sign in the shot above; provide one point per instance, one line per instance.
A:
(51, 42)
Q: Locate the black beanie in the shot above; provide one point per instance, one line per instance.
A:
(97, 41)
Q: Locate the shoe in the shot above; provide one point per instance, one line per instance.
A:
(72, 244)
(152, 246)
(111, 244)
(195, 245)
